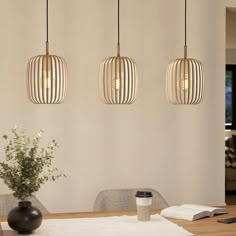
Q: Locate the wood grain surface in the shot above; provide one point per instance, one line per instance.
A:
(203, 227)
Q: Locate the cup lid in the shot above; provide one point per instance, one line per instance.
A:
(143, 194)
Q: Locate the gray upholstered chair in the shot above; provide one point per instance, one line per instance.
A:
(8, 202)
(124, 199)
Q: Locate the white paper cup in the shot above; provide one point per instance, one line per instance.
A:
(144, 205)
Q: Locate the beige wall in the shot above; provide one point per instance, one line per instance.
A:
(178, 150)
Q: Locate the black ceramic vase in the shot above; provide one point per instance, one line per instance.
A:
(25, 218)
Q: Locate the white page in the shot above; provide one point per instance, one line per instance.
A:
(180, 212)
(106, 226)
(200, 207)
(213, 210)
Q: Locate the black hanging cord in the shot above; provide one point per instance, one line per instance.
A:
(185, 12)
(47, 43)
(118, 22)
(47, 18)
(185, 30)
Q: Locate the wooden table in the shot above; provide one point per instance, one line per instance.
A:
(203, 227)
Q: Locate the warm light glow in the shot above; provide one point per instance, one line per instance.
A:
(184, 82)
(47, 79)
(117, 81)
(47, 73)
(118, 75)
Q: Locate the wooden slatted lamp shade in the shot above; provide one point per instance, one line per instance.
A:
(47, 77)
(118, 77)
(185, 79)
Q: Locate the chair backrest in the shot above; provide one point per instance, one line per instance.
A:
(8, 202)
(124, 199)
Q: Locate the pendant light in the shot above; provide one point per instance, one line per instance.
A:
(185, 78)
(47, 76)
(118, 77)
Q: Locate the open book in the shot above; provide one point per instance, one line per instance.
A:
(191, 212)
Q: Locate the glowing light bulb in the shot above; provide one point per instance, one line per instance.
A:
(117, 80)
(118, 77)
(47, 79)
(184, 81)
(47, 76)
